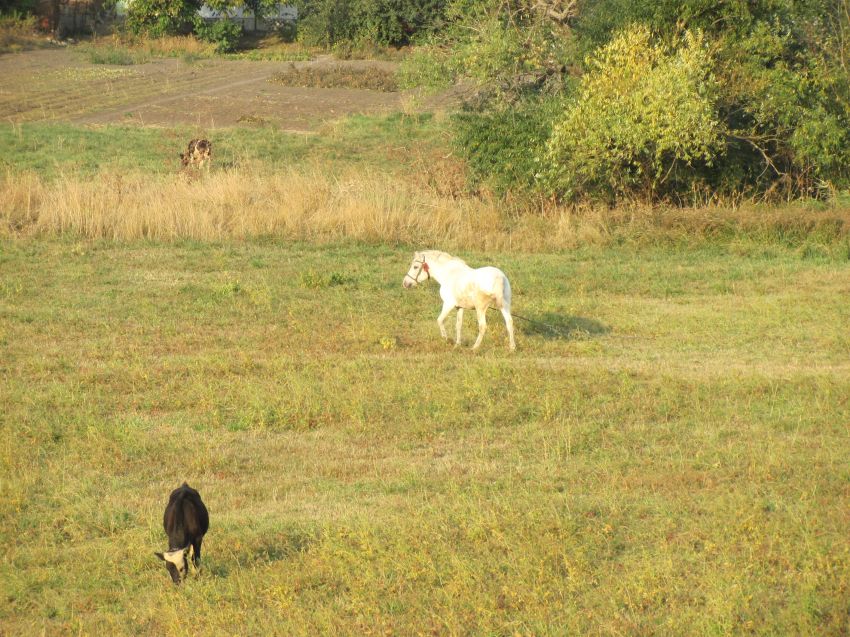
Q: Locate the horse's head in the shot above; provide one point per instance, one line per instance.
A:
(418, 271)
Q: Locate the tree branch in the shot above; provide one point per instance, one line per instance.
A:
(767, 160)
(560, 11)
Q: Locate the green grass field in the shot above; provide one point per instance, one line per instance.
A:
(673, 461)
(392, 143)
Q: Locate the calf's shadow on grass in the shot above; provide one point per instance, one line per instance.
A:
(278, 547)
(554, 326)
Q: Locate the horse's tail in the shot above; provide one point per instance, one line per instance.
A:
(502, 292)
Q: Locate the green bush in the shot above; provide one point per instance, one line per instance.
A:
(427, 67)
(18, 32)
(224, 33)
(737, 98)
(352, 23)
(287, 30)
(157, 18)
(501, 147)
(644, 118)
(508, 50)
(784, 93)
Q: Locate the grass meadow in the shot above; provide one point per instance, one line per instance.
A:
(665, 454)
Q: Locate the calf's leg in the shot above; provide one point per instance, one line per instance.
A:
(196, 552)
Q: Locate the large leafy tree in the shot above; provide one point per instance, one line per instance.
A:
(257, 8)
(162, 17)
(508, 49)
(783, 83)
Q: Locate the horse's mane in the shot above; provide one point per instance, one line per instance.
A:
(441, 257)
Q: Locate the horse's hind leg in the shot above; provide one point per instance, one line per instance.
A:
(509, 325)
(447, 307)
(459, 325)
(482, 326)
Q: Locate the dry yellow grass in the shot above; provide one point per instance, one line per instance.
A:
(294, 204)
(159, 47)
(309, 204)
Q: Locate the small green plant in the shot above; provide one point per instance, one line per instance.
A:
(18, 32)
(190, 57)
(389, 342)
(426, 67)
(316, 280)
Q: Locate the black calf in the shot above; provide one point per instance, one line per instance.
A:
(185, 521)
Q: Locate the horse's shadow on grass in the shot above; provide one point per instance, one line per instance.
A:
(554, 326)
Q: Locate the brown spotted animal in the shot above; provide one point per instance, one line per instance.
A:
(198, 153)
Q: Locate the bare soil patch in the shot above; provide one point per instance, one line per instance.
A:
(60, 85)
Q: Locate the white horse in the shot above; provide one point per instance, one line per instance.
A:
(462, 287)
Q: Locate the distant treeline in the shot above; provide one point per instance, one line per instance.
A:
(684, 101)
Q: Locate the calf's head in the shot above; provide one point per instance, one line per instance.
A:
(177, 563)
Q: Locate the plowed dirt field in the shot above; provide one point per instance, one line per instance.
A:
(61, 85)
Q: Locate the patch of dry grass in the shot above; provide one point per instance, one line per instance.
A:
(142, 48)
(237, 204)
(19, 34)
(165, 46)
(308, 204)
(338, 76)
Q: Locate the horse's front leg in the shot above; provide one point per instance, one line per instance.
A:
(459, 325)
(482, 325)
(447, 307)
